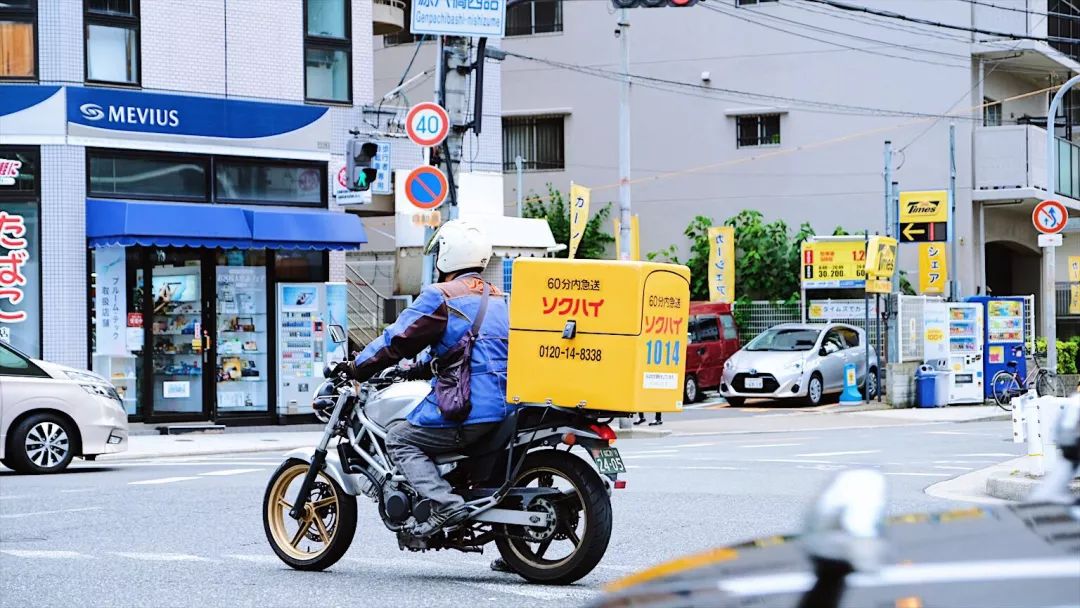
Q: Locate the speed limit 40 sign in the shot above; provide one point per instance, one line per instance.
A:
(427, 124)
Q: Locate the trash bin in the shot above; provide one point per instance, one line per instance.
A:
(926, 386)
(943, 382)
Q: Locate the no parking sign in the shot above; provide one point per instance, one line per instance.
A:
(425, 187)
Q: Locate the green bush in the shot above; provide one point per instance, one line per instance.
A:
(1066, 354)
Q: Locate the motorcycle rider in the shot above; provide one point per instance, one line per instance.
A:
(438, 319)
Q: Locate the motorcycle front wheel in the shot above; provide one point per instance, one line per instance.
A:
(323, 534)
(577, 537)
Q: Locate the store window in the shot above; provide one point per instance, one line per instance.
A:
(18, 39)
(20, 249)
(301, 266)
(327, 51)
(144, 175)
(112, 41)
(243, 327)
(264, 182)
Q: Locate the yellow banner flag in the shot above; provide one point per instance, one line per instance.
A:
(933, 270)
(635, 239)
(1074, 299)
(579, 215)
(722, 264)
(1074, 268)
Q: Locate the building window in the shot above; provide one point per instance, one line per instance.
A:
(327, 51)
(112, 41)
(18, 21)
(147, 175)
(1062, 25)
(758, 130)
(534, 17)
(538, 139)
(752, 2)
(991, 113)
(20, 238)
(265, 182)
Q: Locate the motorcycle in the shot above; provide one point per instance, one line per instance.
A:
(546, 508)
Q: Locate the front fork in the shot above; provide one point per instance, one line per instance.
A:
(318, 459)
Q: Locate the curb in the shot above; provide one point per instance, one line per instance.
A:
(1016, 488)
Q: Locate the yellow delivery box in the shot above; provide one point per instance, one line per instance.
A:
(598, 334)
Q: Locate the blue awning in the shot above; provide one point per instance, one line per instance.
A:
(158, 224)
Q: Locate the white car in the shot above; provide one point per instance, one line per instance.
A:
(50, 413)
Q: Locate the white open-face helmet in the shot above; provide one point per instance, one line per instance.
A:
(459, 244)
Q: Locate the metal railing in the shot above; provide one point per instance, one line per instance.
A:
(365, 307)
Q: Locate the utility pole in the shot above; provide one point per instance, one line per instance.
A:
(954, 284)
(888, 188)
(519, 162)
(1048, 295)
(623, 33)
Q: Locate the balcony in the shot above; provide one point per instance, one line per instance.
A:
(1010, 164)
(387, 16)
(1025, 18)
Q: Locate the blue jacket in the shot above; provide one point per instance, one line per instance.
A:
(437, 319)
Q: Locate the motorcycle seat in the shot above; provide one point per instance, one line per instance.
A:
(497, 439)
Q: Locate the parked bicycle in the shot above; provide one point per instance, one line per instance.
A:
(1007, 383)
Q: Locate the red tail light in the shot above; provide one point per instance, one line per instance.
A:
(620, 484)
(604, 431)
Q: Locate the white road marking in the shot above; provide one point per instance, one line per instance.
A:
(853, 452)
(961, 461)
(769, 445)
(532, 591)
(259, 559)
(229, 472)
(17, 515)
(42, 554)
(16, 497)
(920, 474)
(695, 445)
(697, 468)
(162, 557)
(794, 460)
(949, 468)
(993, 454)
(644, 456)
(952, 433)
(650, 452)
(183, 464)
(150, 482)
(77, 490)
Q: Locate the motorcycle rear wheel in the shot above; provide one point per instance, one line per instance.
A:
(328, 524)
(583, 518)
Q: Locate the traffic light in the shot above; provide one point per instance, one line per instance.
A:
(360, 164)
(652, 3)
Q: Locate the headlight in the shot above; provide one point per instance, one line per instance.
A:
(730, 363)
(102, 390)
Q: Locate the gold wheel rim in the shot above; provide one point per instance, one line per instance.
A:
(583, 519)
(313, 523)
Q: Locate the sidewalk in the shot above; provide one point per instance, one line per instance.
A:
(997, 484)
(231, 441)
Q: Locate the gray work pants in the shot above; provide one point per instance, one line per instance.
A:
(411, 448)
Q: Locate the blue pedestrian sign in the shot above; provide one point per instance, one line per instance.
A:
(381, 163)
(425, 187)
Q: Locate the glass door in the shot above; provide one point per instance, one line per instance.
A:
(179, 335)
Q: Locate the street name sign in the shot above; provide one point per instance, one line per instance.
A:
(1049, 217)
(427, 124)
(458, 17)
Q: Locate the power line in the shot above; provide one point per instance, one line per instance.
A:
(1022, 10)
(891, 15)
(871, 20)
(741, 15)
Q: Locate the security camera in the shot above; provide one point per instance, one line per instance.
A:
(706, 76)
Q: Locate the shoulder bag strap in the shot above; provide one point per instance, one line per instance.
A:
(479, 320)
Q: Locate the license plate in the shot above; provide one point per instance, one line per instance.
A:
(609, 461)
(754, 383)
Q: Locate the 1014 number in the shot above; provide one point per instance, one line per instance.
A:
(663, 352)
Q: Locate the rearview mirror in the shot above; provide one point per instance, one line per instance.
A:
(823, 351)
(337, 334)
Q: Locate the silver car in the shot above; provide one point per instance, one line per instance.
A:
(798, 361)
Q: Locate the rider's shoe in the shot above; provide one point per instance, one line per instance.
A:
(447, 516)
(500, 565)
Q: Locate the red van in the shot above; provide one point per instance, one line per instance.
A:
(713, 338)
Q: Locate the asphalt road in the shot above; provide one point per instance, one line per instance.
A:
(187, 532)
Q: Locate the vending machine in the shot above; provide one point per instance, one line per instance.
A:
(304, 313)
(954, 334)
(1003, 336)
